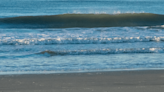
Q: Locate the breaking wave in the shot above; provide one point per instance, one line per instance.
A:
(83, 20)
(46, 41)
(103, 51)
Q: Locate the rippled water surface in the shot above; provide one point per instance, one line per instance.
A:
(28, 45)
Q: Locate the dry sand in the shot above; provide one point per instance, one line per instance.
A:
(118, 81)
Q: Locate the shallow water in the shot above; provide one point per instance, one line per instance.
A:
(27, 45)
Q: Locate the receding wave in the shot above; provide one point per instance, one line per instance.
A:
(103, 51)
(44, 41)
(84, 20)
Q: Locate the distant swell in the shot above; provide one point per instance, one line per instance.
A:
(51, 41)
(83, 20)
(103, 51)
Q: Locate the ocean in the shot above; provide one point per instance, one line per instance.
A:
(62, 36)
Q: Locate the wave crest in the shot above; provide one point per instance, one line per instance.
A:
(103, 51)
(51, 41)
(84, 20)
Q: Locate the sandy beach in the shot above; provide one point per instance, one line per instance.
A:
(113, 81)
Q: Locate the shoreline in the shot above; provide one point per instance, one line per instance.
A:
(76, 71)
(108, 81)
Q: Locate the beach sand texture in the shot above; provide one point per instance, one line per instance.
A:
(117, 81)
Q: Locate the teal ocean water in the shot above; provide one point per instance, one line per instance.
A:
(38, 36)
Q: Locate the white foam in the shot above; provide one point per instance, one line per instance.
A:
(49, 41)
(120, 12)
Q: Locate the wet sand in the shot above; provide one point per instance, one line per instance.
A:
(117, 81)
